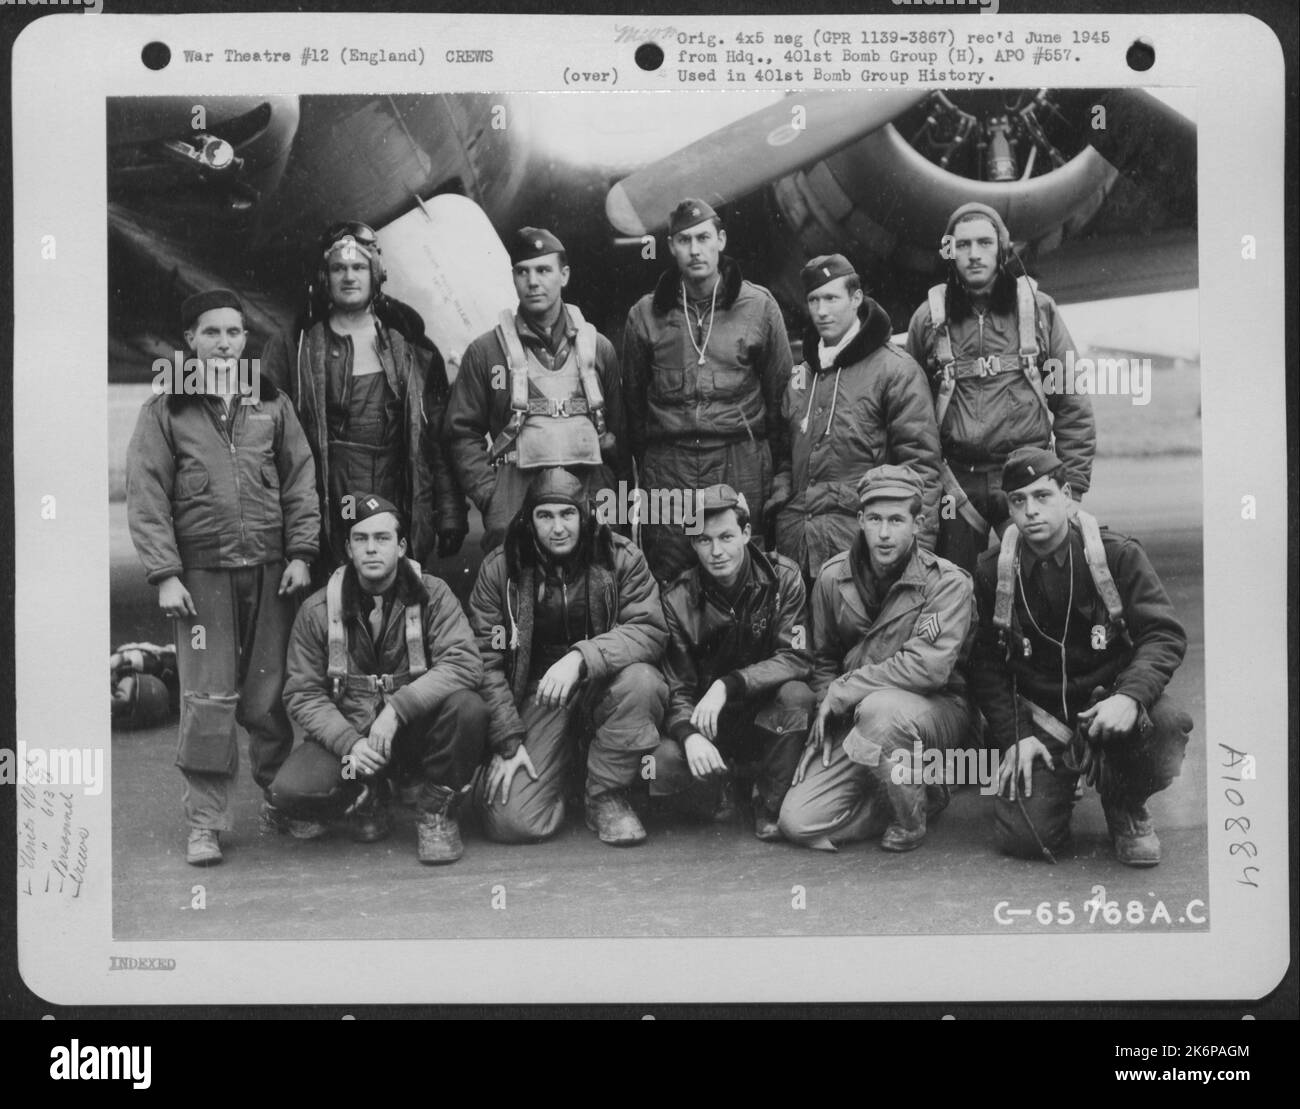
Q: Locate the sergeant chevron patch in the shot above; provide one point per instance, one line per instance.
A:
(928, 626)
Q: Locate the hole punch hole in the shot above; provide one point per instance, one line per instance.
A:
(1141, 55)
(649, 56)
(156, 55)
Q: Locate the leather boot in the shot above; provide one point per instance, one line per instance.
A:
(1135, 839)
(610, 816)
(725, 813)
(906, 800)
(907, 811)
(438, 832)
(278, 822)
(937, 798)
(766, 827)
(370, 820)
(203, 847)
(701, 801)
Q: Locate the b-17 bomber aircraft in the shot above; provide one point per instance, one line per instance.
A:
(1098, 186)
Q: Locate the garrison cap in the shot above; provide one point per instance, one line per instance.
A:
(825, 268)
(1025, 465)
(717, 497)
(555, 485)
(687, 214)
(976, 210)
(361, 506)
(533, 242)
(889, 482)
(194, 306)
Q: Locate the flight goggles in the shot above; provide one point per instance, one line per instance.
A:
(351, 233)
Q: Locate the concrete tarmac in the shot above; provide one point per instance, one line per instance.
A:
(689, 879)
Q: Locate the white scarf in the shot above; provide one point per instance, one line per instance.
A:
(827, 355)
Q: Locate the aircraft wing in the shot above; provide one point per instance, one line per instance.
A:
(741, 157)
(1098, 186)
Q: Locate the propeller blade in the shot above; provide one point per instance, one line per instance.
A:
(752, 152)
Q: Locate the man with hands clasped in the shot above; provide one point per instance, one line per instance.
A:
(737, 664)
(383, 678)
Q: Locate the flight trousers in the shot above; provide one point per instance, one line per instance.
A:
(858, 797)
(1135, 768)
(441, 749)
(626, 711)
(764, 737)
(231, 669)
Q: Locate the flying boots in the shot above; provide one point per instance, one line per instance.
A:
(369, 816)
(610, 816)
(765, 820)
(907, 806)
(438, 831)
(1135, 839)
(906, 800)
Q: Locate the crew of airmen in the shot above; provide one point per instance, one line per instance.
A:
(935, 584)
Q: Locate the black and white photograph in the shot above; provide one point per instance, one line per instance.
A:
(737, 608)
(728, 492)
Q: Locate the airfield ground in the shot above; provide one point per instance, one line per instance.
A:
(688, 880)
